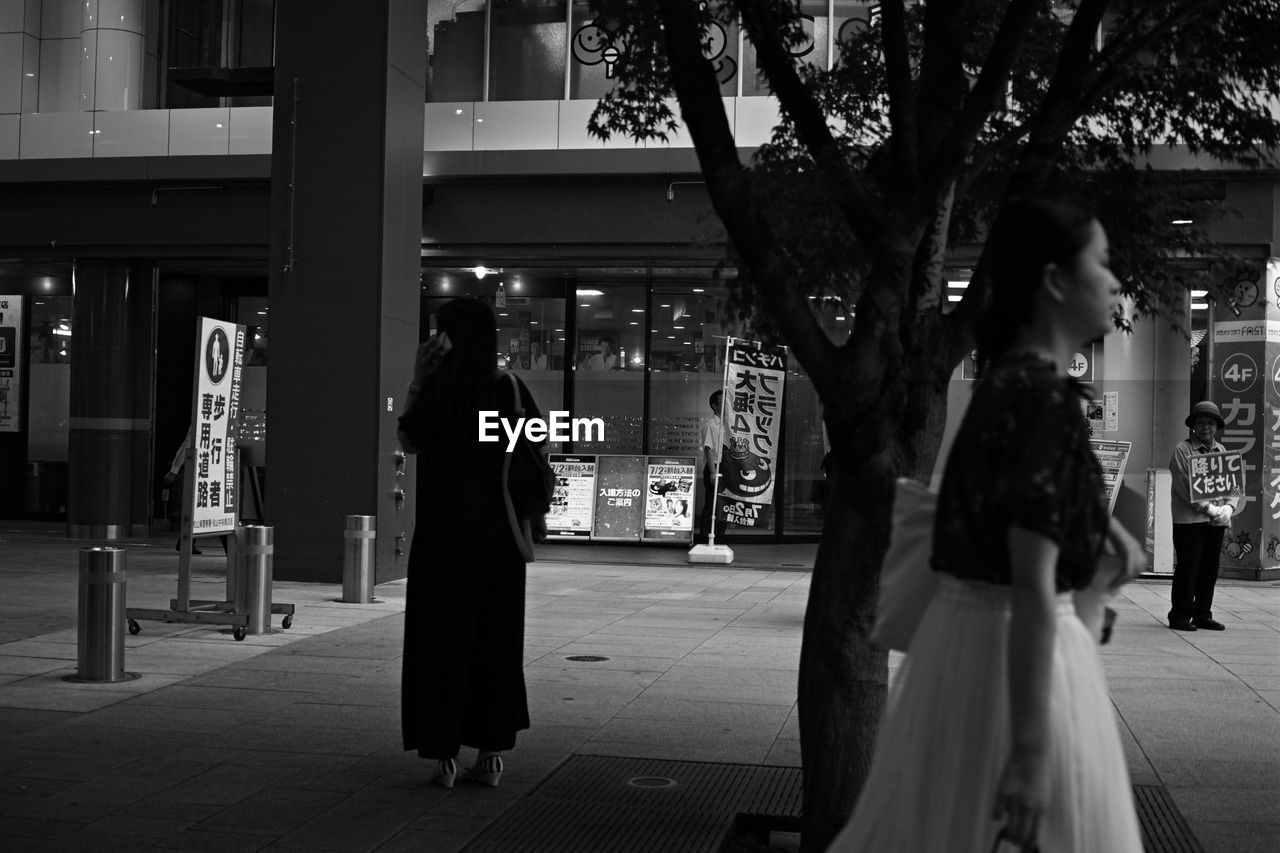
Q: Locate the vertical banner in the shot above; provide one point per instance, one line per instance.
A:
(214, 418)
(10, 364)
(1246, 387)
(1111, 456)
(669, 510)
(573, 502)
(752, 416)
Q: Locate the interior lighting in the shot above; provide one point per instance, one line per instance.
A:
(584, 304)
(957, 285)
(637, 360)
(590, 292)
(840, 318)
(482, 271)
(699, 290)
(637, 310)
(1182, 222)
(954, 297)
(1199, 306)
(1199, 294)
(635, 322)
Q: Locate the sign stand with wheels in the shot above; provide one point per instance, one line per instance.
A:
(210, 503)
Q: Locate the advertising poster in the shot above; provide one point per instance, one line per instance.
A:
(214, 420)
(752, 414)
(669, 507)
(10, 364)
(619, 509)
(1111, 456)
(573, 502)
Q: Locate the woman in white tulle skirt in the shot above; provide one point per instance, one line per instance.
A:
(999, 723)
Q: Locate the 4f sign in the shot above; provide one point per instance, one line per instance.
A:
(1239, 372)
(1080, 366)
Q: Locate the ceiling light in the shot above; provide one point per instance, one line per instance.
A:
(1199, 294)
(582, 292)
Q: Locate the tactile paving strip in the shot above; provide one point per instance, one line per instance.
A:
(1164, 830)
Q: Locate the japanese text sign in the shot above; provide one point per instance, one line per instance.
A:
(1215, 475)
(214, 422)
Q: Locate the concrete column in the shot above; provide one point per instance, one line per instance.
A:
(112, 54)
(346, 234)
(110, 426)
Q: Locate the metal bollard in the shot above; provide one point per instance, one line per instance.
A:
(100, 616)
(255, 549)
(358, 559)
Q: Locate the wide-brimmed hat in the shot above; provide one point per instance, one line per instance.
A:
(1203, 408)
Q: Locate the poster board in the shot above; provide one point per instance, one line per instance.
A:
(573, 502)
(669, 501)
(1112, 457)
(755, 377)
(10, 363)
(619, 498)
(1215, 475)
(215, 413)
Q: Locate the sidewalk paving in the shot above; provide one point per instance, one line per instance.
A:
(290, 741)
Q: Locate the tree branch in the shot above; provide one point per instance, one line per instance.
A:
(763, 26)
(902, 109)
(698, 93)
(981, 102)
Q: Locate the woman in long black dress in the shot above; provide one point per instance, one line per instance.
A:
(999, 720)
(463, 676)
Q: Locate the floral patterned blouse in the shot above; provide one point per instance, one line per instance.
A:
(1021, 459)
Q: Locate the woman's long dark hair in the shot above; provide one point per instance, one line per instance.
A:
(1029, 235)
(463, 383)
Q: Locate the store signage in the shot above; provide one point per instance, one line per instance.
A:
(10, 364)
(215, 415)
(669, 507)
(573, 503)
(753, 386)
(619, 498)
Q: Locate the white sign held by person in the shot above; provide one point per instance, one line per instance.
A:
(215, 417)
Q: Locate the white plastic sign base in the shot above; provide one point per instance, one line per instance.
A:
(711, 554)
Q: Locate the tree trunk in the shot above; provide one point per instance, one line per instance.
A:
(843, 676)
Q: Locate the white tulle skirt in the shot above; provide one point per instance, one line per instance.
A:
(945, 738)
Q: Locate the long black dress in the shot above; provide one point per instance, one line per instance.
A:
(463, 675)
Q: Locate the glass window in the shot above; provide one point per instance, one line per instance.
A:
(593, 52)
(527, 50)
(531, 337)
(609, 360)
(49, 401)
(686, 364)
(850, 18)
(722, 49)
(455, 50)
(813, 52)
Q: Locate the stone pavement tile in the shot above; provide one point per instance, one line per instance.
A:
(785, 752)
(682, 736)
(207, 841)
(372, 691)
(1235, 805)
(643, 629)
(315, 712)
(22, 665)
(1271, 697)
(9, 679)
(89, 738)
(560, 658)
(67, 765)
(191, 696)
(730, 753)
(780, 680)
(80, 842)
(97, 798)
(470, 800)
(360, 822)
(301, 682)
(628, 644)
(171, 810)
(311, 664)
(50, 692)
(272, 811)
(279, 736)
(721, 691)
(16, 804)
(1212, 773)
(174, 767)
(38, 647)
(414, 841)
(137, 827)
(554, 737)
(569, 674)
(151, 718)
(712, 714)
(15, 721)
(222, 786)
(1224, 837)
(32, 827)
(28, 787)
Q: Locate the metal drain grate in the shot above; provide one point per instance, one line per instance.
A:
(1164, 830)
(591, 804)
(599, 803)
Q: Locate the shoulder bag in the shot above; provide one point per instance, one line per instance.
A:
(528, 484)
(907, 583)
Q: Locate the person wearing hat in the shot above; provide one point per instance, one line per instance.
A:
(1198, 527)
